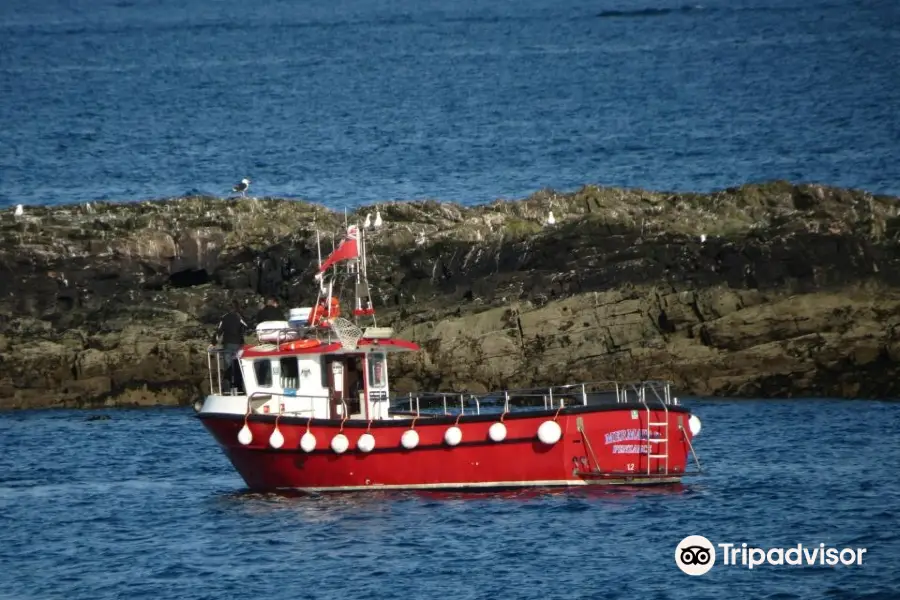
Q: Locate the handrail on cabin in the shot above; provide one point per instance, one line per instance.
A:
(551, 397)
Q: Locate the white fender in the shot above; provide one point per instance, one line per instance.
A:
(308, 442)
(497, 432)
(410, 439)
(276, 440)
(694, 424)
(340, 443)
(453, 436)
(366, 442)
(245, 436)
(549, 432)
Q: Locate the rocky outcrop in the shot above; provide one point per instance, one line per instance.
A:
(764, 290)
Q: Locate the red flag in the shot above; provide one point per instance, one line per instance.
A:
(346, 250)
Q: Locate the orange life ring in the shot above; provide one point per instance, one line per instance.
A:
(301, 344)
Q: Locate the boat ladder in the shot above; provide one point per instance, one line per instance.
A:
(657, 433)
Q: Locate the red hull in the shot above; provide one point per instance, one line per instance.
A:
(611, 448)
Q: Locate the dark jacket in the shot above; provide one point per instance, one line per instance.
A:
(270, 313)
(231, 328)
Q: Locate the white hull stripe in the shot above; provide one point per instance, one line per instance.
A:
(490, 484)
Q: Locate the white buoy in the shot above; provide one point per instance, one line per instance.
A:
(378, 220)
(551, 220)
(453, 436)
(245, 436)
(20, 210)
(694, 424)
(308, 442)
(549, 432)
(497, 432)
(409, 439)
(340, 443)
(366, 442)
(276, 440)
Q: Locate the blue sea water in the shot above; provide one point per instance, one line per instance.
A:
(351, 101)
(145, 505)
(359, 101)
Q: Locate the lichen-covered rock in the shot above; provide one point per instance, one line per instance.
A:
(770, 289)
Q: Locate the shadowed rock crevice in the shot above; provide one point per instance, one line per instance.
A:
(189, 278)
(770, 289)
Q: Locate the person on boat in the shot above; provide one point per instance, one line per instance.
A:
(230, 334)
(270, 311)
(325, 309)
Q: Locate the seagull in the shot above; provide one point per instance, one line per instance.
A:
(378, 220)
(702, 238)
(368, 222)
(551, 220)
(20, 210)
(242, 186)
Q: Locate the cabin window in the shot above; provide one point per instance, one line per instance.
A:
(290, 373)
(323, 372)
(263, 370)
(377, 370)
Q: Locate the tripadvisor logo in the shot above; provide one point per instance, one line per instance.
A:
(696, 555)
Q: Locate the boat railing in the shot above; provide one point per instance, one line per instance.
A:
(549, 398)
(448, 401)
(294, 333)
(265, 396)
(215, 375)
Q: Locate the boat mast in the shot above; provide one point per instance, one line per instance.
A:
(318, 246)
(360, 273)
(319, 275)
(365, 278)
(365, 270)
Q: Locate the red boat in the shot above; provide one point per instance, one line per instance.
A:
(310, 409)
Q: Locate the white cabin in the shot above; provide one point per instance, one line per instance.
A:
(292, 373)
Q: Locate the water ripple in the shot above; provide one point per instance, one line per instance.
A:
(170, 519)
(348, 103)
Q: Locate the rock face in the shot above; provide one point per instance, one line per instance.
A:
(764, 290)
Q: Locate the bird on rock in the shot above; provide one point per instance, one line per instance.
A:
(242, 186)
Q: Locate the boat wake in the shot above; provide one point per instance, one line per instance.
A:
(699, 8)
(651, 12)
(332, 499)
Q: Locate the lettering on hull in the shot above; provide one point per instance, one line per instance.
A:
(627, 435)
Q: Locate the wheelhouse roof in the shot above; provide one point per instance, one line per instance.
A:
(363, 346)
